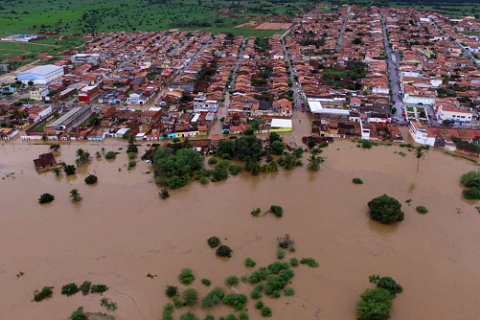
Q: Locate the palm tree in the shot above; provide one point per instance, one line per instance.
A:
(314, 163)
(248, 163)
(290, 161)
(186, 143)
(75, 195)
(57, 172)
(419, 155)
(272, 166)
(256, 168)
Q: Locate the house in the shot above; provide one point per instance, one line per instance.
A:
(134, 97)
(202, 105)
(39, 94)
(151, 116)
(7, 133)
(88, 93)
(45, 161)
(420, 134)
(4, 68)
(355, 102)
(456, 114)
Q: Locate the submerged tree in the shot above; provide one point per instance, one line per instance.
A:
(375, 304)
(75, 195)
(314, 163)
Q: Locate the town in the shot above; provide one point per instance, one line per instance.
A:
(379, 74)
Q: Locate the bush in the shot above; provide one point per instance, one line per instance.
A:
(70, 169)
(167, 315)
(310, 262)
(266, 312)
(375, 304)
(249, 262)
(99, 288)
(164, 194)
(171, 291)
(111, 155)
(190, 297)
(70, 289)
(206, 282)
(224, 251)
(232, 281)
(357, 181)
(259, 305)
(471, 193)
(41, 295)
(204, 180)
(422, 209)
(235, 300)
(231, 316)
(85, 287)
(188, 316)
(132, 155)
(234, 170)
(186, 276)
(209, 317)
(278, 147)
(168, 307)
(177, 303)
(243, 315)
(471, 179)
(212, 160)
(91, 179)
(213, 242)
(132, 164)
(256, 212)
(276, 210)
(213, 297)
(385, 209)
(280, 254)
(78, 314)
(256, 294)
(46, 198)
(289, 292)
(294, 262)
(311, 144)
(389, 284)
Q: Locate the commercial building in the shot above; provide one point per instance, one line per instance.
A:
(84, 58)
(41, 74)
(281, 125)
(453, 113)
(68, 121)
(420, 134)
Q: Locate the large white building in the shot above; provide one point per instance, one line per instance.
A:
(41, 74)
(420, 134)
(202, 105)
(456, 114)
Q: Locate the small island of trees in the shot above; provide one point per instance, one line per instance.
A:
(385, 209)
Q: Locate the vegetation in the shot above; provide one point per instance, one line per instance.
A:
(110, 305)
(212, 160)
(290, 161)
(206, 282)
(82, 157)
(70, 289)
(110, 155)
(357, 181)
(266, 312)
(79, 314)
(54, 147)
(91, 179)
(277, 147)
(224, 251)
(256, 294)
(294, 262)
(259, 305)
(190, 297)
(276, 210)
(314, 162)
(285, 241)
(310, 262)
(99, 288)
(256, 212)
(188, 316)
(213, 297)
(250, 262)
(422, 209)
(471, 181)
(235, 300)
(70, 170)
(164, 194)
(75, 195)
(171, 291)
(280, 254)
(375, 304)
(289, 292)
(385, 209)
(46, 198)
(389, 284)
(186, 276)
(42, 295)
(231, 281)
(85, 287)
(213, 242)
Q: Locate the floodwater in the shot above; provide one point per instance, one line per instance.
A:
(122, 230)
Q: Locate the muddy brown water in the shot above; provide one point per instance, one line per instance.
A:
(122, 230)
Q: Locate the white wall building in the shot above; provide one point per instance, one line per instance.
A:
(202, 105)
(454, 114)
(41, 74)
(419, 133)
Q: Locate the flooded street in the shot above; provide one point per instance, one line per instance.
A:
(122, 230)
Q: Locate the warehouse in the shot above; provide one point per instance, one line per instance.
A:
(41, 75)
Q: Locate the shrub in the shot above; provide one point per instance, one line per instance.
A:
(212, 160)
(206, 282)
(78, 314)
(256, 212)
(259, 305)
(235, 300)
(209, 317)
(213, 297)
(186, 276)
(204, 180)
(70, 289)
(231, 316)
(472, 193)
(310, 262)
(276, 210)
(110, 155)
(232, 281)
(385, 209)
(243, 315)
(280, 254)
(164, 194)
(289, 292)
(110, 305)
(249, 262)
(188, 316)
(256, 294)
(168, 307)
(471, 179)
(390, 285)
(167, 315)
(234, 170)
(132, 155)
(294, 262)
(311, 144)
(285, 242)
(41, 295)
(190, 297)
(171, 291)
(70, 169)
(132, 164)
(91, 179)
(177, 303)
(224, 251)
(357, 181)
(85, 287)
(422, 209)
(266, 312)
(99, 288)
(375, 304)
(213, 242)
(46, 198)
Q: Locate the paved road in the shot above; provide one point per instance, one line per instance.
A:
(297, 89)
(344, 26)
(393, 72)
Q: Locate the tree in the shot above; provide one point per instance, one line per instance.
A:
(91, 179)
(30, 83)
(289, 161)
(186, 276)
(110, 155)
(224, 251)
(314, 163)
(418, 154)
(57, 172)
(54, 147)
(375, 304)
(190, 297)
(249, 146)
(70, 289)
(171, 291)
(85, 287)
(385, 209)
(46, 198)
(232, 280)
(273, 136)
(75, 195)
(225, 147)
(70, 170)
(188, 316)
(277, 147)
(389, 284)
(213, 242)
(78, 314)
(220, 172)
(471, 179)
(82, 156)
